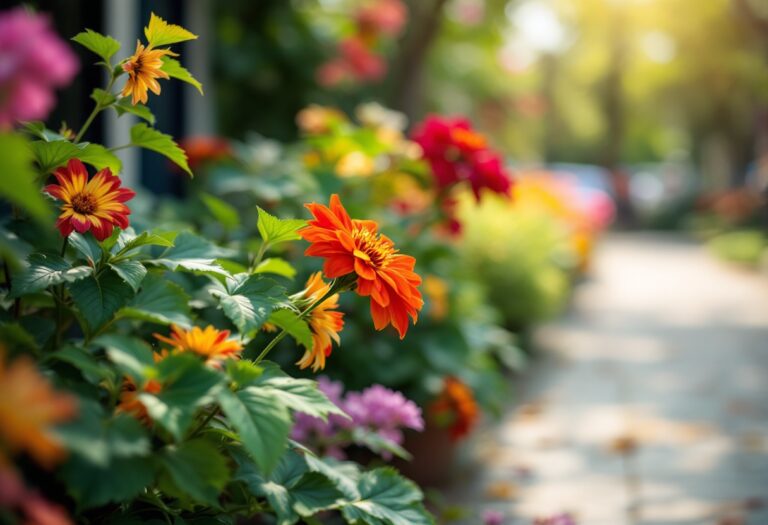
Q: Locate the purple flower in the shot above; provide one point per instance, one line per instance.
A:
(558, 519)
(33, 62)
(493, 517)
(306, 427)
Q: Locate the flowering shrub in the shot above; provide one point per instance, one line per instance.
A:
(134, 384)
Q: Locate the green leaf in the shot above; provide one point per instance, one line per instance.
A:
(192, 253)
(133, 357)
(187, 385)
(87, 245)
(145, 137)
(223, 212)
(301, 395)
(248, 300)
(314, 493)
(51, 155)
(128, 241)
(39, 130)
(274, 231)
(345, 475)
(123, 106)
(102, 98)
(296, 327)
(132, 272)
(175, 70)
(243, 372)
(104, 46)
(47, 270)
(387, 498)
(14, 335)
(197, 469)
(92, 370)
(161, 33)
(100, 157)
(277, 266)
(94, 486)
(378, 443)
(21, 189)
(262, 421)
(159, 301)
(99, 298)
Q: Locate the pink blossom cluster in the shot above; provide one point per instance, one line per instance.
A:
(376, 409)
(34, 61)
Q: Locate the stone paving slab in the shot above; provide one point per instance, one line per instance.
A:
(649, 404)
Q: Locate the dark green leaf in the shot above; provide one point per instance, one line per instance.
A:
(149, 138)
(92, 370)
(38, 129)
(128, 241)
(192, 253)
(104, 46)
(386, 497)
(249, 300)
(197, 469)
(159, 301)
(47, 270)
(132, 356)
(344, 474)
(262, 421)
(132, 272)
(87, 245)
(51, 155)
(122, 480)
(301, 395)
(98, 299)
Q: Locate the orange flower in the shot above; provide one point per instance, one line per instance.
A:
(29, 407)
(210, 343)
(95, 205)
(355, 247)
(325, 322)
(457, 407)
(144, 68)
(129, 398)
(437, 293)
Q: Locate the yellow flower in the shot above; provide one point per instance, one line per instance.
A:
(29, 407)
(325, 322)
(436, 291)
(210, 343)
(144, 68)
(355, 164)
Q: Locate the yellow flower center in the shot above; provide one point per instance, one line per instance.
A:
(372, 248)
(84, 203)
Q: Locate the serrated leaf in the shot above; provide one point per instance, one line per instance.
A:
(302, 395)
(174, 69)
(296, 327)
(249, 300)
(262, 421)
(51, 155)
(104, 46)
(161, 33)
(197, 469)
(276, 266)
(102, 98)
(344, 474)
(187, 385)
(128, 240)
(132, 272)
(21, 189)
(159, 301)
(46, 270)
(223, 212)
(94, 486)
(145, 137)
(39, 130)
(124, 105)
(386, 497)
(133, 357)
(275, 231)
(100, 157)
(192, 253)
(99, 298)
(87, 245)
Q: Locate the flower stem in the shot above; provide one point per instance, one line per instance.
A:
(96, 110)
(338, 285)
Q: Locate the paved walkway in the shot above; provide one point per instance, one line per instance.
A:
(650, 404)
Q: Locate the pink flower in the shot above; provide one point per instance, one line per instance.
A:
(33, 62)
(361, 61)
(382, 17)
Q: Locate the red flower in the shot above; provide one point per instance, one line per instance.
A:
(95, 205)
(356, 247)
(201, 150)
(382, 17)
(456, 153)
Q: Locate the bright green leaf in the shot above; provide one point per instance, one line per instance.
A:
(124, 106)
(277, 266)
(145, 137)
(222, 211)
(274, 231)
(104, 46)
(51, 155)
(192, 253)
(174, 69)
(100, 157)
(301, 395)
(128, 240)
(161, 33)
(21, 189)
(296, 327)
(249, 300)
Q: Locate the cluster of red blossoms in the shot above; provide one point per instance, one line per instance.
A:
(456, 153)
(357, 59)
